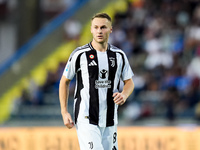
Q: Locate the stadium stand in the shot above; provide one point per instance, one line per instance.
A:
(162, 41)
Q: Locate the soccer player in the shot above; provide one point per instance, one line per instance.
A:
(98, 67)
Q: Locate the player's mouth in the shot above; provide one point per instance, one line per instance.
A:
(100, 37)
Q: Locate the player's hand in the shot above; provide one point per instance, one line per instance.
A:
(67, 119)
(119, 98)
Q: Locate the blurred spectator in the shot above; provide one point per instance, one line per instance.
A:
(170, 100)
(193, 68)
(72, 29)
(35, 93)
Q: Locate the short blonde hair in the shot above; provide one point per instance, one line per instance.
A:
(102, 15)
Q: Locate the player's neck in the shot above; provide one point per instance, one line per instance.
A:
(102, 47)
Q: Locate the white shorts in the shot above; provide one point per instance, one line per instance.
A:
(93, 137)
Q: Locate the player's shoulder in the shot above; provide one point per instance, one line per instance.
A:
(80, 50)
(116, 49)
(84, 47)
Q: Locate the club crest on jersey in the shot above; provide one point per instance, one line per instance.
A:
(91, 56)
(112, 59)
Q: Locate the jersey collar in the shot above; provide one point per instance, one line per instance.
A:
(92, 48)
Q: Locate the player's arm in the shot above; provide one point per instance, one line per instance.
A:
(120, 98)
(63, 96)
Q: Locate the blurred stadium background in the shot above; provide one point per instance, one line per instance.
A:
(161, 39)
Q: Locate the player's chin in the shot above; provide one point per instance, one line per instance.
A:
(100, 40)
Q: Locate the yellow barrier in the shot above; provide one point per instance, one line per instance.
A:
(129, 138)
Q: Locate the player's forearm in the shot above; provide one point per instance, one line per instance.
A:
(63, 95)
(128, 88)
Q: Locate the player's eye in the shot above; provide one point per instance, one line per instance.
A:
(103, 27)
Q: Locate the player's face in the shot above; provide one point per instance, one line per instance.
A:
(101, 29)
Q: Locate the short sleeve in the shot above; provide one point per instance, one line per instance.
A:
(69, 71)
(127, 72)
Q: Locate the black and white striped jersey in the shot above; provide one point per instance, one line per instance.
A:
(97, 77)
